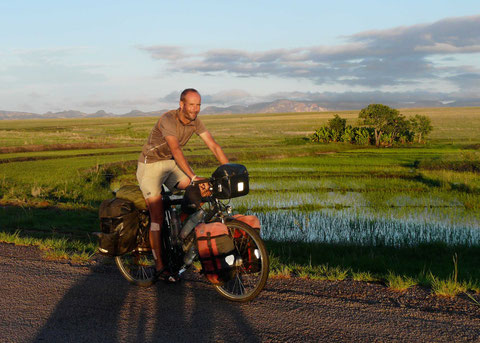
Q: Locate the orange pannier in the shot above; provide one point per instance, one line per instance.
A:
(252, 257)
(216, 251)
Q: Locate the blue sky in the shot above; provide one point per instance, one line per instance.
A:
(125, 55)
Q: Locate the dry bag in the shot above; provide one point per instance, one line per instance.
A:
(119, 225)
(216, 251)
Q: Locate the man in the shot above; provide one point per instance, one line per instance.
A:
(163, 162)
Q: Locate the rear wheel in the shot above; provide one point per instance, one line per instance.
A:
(138, 267)
(251, 268)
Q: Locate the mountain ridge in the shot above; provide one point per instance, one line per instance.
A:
(276, 106)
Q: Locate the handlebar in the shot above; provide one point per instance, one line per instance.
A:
(199, 182)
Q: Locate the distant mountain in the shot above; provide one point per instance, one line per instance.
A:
(137, 113)
(17, 115)
(277, 106)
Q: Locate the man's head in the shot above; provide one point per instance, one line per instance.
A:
(190, 102)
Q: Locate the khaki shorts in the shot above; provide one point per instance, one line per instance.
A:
(151, 177)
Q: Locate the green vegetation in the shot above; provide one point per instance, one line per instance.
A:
(329, 211)
(381, 124)
(449, 287)
(54, 247)
(399, 283)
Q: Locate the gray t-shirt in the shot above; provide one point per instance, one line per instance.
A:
(169, 124)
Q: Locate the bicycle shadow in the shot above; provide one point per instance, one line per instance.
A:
(103, 307)
(206, 316)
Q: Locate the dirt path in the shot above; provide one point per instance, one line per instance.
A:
(46, 301)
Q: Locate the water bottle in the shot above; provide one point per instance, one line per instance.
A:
(189, 256)
(174, 223)
(191, 222)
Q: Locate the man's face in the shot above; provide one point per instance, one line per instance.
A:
(190, 107)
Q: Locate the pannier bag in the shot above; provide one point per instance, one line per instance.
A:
(216, 251)
(192, 199)
(251, 256)
(119, 225)
(134, 194)
(230, 181)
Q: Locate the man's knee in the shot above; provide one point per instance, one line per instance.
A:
(155, 207)
(156, 201)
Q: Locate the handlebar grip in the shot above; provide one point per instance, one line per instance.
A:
(198, 182)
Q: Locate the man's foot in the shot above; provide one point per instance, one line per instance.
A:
(166, 276)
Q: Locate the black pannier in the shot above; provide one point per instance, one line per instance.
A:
(230, 181)
(119, 225)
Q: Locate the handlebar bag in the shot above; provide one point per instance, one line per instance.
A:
(251, 255)
(216, 251)
(119, 222)
(230, 180)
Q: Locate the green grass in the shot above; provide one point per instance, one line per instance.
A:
(364, 277)
(54, 247)
(399, 283)
(396, 201)
(447, 287)
(398, 268)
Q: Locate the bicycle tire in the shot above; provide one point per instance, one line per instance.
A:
(137, 267)
(246, 282)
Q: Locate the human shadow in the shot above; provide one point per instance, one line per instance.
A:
(103, 307)
(88, 312)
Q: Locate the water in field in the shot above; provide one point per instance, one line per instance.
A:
(332, 200)
(347, 227)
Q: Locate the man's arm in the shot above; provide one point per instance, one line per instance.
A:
(178, 155)
(214, 147)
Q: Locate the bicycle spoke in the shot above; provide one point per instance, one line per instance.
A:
(135, 268)
(241, 288)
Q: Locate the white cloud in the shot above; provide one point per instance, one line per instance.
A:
(165, 52)
(228, 97)
(373, 59)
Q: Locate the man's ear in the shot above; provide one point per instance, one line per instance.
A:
(181, 104)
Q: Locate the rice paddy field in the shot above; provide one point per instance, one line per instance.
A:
(405, 210)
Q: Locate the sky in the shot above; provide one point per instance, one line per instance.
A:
(120, 56)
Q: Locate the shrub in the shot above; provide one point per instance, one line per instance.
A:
(338, 124)
(349, 135)
(363, 136)
(322, 135)
(421, 127)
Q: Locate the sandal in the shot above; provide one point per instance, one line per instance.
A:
(166, 276)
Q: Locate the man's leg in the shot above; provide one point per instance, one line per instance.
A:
(150, 178)
(155, 207)
(176, 179)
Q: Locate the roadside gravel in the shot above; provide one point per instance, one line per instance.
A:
(55, 301)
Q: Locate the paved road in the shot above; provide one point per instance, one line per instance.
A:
(51, 301)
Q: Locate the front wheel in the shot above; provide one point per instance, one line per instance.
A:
(251, 268)
(138, 267)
